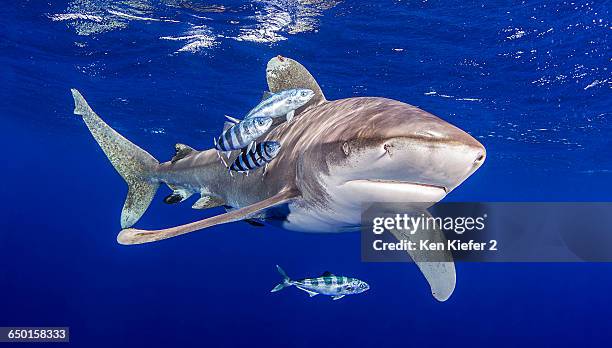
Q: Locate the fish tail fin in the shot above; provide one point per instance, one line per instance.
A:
(135, 165)
(286, 280)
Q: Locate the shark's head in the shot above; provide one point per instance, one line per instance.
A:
(297, 97)
(380, 150)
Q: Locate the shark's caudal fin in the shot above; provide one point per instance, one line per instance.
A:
(286, 280)
(285, 73)
(134, 164)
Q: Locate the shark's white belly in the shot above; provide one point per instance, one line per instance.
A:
(342, 213)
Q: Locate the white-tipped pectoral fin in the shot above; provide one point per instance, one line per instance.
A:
(437, 266)
(130, 236)
(337, 297)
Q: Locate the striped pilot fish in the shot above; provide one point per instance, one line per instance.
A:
(255, 157)
(281, 103)
(327, 284)
(240, 134)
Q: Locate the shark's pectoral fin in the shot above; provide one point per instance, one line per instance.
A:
(285, 73)
(437, 266)
(136, 236)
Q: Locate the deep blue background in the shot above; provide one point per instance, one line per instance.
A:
(536, 76)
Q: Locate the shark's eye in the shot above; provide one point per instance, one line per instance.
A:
(346, 148)
(304, 93)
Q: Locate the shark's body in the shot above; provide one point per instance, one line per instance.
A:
(335, 156)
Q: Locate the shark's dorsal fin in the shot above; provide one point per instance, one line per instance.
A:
(134, 236)
(285, 73)
(181, 151)
(327, 274)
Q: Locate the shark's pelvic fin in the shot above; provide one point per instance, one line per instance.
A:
(134, 164)
(135, 236)
(285, 73)
(178, 195)
(181, 151)
(437, 266)
(207, 201)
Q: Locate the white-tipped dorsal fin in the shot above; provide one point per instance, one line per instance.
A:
(285, 73)
(135, 236)
(437, 266)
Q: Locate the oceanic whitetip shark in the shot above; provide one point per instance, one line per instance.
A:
(335, 156)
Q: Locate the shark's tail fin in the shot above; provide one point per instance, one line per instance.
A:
(134, 164)
(286, 280)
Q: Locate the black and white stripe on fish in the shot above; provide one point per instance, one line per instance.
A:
(242, 134)
(255, 157)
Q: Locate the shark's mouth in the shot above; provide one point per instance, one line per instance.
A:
(400, 182)
(384, 190)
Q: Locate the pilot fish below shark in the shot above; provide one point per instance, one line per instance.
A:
(327, 284)
(336, 155)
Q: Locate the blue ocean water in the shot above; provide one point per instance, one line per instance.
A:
(530, 80)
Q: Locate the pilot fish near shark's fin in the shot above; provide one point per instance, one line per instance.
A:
(135, 236)
(285, 73)
(181, 151)
(135, 165)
